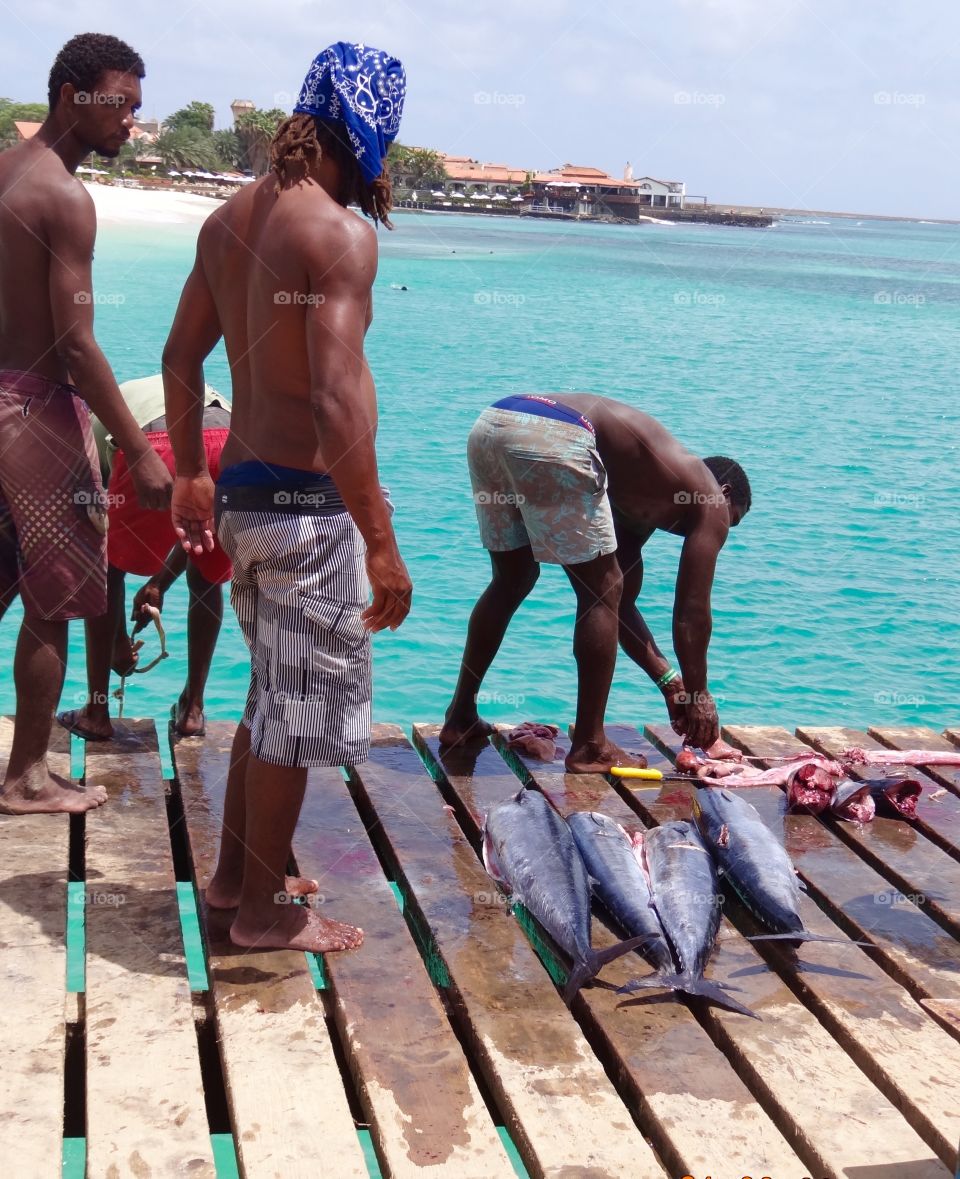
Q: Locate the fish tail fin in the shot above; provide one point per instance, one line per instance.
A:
(804, 936)
(584, 971)
(702, 988)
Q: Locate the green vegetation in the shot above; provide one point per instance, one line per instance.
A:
(415, 167)
(13, 112)
(254, 131)
(195, 114)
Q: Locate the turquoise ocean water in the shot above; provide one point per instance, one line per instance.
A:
(823, 356)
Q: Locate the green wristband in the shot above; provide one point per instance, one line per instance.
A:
(670, 674)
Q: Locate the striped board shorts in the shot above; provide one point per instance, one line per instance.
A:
(299, 587)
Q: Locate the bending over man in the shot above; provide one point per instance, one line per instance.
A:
(583, 481)
(284, 272)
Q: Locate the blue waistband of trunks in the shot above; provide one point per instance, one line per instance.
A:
(544, 407)
(270, 487)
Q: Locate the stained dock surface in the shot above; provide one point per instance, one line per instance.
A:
(138, 1041)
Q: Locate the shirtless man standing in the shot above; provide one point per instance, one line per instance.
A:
(583, 481)
(52, 544)
(284, 273)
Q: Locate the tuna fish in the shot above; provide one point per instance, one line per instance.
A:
(755, 863)
(530, 849)
(619, 881)
(686, 895)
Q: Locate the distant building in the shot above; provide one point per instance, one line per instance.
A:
(572, 189)
(26, 130)
(147, 128)
(241, 107)
(669, 194)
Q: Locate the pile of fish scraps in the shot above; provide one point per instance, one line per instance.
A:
(816, 784)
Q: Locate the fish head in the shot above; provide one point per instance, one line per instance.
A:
(491, 860)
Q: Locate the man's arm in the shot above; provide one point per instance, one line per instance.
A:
(151, 593)
(692, 626)
(71, 232)
(196, 330)
(341, 268)
(636, 638)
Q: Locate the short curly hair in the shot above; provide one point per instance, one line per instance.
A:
(730, 474)
(86, 58)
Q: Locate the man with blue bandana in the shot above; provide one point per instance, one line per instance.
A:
(284, 273)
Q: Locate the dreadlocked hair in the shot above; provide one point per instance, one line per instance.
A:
(305, 140)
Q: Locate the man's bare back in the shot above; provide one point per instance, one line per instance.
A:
(252, 252)
(653, 480)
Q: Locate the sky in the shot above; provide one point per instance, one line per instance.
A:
(821, 104)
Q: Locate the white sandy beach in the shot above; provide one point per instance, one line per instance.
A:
(131, 206)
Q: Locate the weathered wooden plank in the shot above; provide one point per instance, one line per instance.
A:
(896, 846)
(937, 818)
(800, 1055)
(288, 1105)
(145, 1106)
(561, 1109)
(426, 1114)
(919, 737)
(684, 1091)
(34, 853)
(913, 1060)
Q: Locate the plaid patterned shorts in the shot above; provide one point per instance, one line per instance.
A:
(299, 587)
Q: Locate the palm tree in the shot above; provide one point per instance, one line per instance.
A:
(255, 131)
(188, 147)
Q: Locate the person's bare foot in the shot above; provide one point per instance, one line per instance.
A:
(464, 730)
(223, 897)
(86, 723)
(598, 757)
(46, 793)
(188, 718)
(296, 927)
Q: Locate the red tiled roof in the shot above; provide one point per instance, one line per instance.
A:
(27, 130)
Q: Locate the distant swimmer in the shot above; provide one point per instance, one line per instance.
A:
(583, 481)
(53, 549)
(142, 541)
(298, 503)
(396, 286)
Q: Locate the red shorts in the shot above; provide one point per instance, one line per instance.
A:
(139, 540)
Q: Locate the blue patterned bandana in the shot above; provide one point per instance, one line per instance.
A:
(363, 90)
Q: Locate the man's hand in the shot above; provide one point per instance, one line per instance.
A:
(675, 698)
(701, 720)
(151, 479)
(192, 510)
(148, 595)
(392, 589)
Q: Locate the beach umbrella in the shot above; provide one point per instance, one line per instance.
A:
(459, 195)
(173, 173)
(438, 194)
(498, 196)
(477, 196)
(516, 198)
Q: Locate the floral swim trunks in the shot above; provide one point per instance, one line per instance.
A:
(538, 480)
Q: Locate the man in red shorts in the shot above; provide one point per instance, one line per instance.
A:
(143, 542)
(52, 549)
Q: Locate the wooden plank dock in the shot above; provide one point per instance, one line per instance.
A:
(133, 1047)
